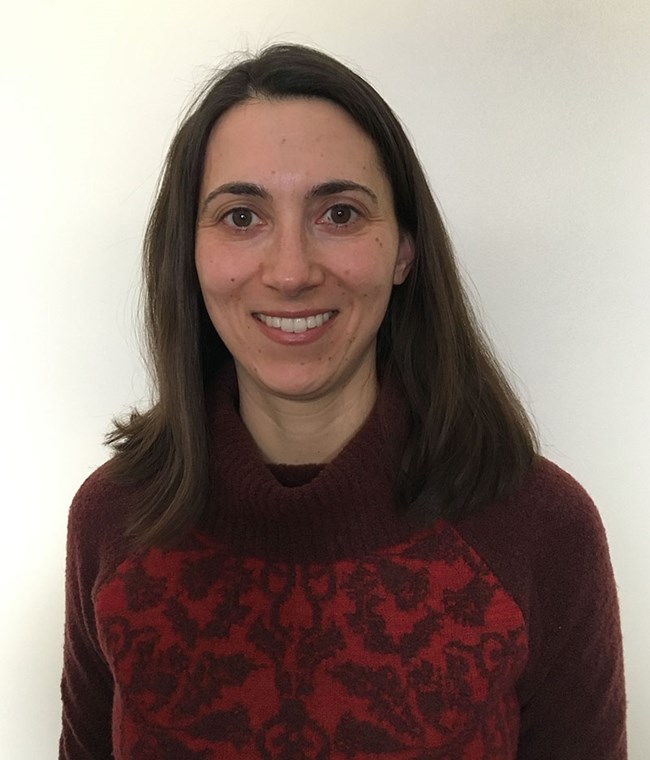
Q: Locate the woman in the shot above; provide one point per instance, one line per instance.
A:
(331, 536)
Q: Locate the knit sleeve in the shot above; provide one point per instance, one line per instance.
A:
(549, 548)
(86, 685)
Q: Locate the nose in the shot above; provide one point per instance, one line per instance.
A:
(290, 263)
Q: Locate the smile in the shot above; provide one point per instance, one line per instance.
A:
(296, 324)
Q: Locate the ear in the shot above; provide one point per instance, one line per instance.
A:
(405, 257)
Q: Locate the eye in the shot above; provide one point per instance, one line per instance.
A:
(341, 215)
(241, 218)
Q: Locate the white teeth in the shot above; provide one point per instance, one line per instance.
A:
(297, 325)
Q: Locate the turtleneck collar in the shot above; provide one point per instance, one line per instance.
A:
(341, 509)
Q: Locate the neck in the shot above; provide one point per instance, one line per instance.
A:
(291, 431)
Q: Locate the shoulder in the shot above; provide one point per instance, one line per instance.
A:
(547, 545)
(549, 512)
(558, 519)
(552, 497)
(101, 503)
(97, 522)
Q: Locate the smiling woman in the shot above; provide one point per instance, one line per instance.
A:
(331, 536)
(297, 281)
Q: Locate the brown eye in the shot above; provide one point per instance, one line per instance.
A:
(241, 218)
(341, 214)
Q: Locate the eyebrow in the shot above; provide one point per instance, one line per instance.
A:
(331, 187)
(334, 186)
(236, 188)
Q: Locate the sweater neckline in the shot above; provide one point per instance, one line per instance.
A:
(307, 513)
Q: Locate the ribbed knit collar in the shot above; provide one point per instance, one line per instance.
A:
(345, 510)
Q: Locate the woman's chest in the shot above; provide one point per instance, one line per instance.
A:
(409, 653)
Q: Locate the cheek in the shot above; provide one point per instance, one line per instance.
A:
(219, 277)
(373, 282)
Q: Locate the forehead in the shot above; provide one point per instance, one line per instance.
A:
(303, 138)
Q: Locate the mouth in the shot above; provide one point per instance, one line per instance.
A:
(295, 324)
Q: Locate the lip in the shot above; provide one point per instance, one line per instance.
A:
(310, 335)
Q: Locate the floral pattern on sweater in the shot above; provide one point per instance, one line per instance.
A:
(412, 648)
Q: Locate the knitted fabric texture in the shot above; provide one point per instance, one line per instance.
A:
(307, 620)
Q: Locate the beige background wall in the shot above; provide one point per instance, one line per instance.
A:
(533, 120)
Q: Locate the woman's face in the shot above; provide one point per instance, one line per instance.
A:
(297, 246)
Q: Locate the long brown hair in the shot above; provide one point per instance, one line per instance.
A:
(470, 439)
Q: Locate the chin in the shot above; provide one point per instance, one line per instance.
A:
(300, 387)
(290, 381)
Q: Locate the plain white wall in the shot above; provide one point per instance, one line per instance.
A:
(533, 121)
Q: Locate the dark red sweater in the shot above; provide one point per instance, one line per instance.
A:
(308, 621)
